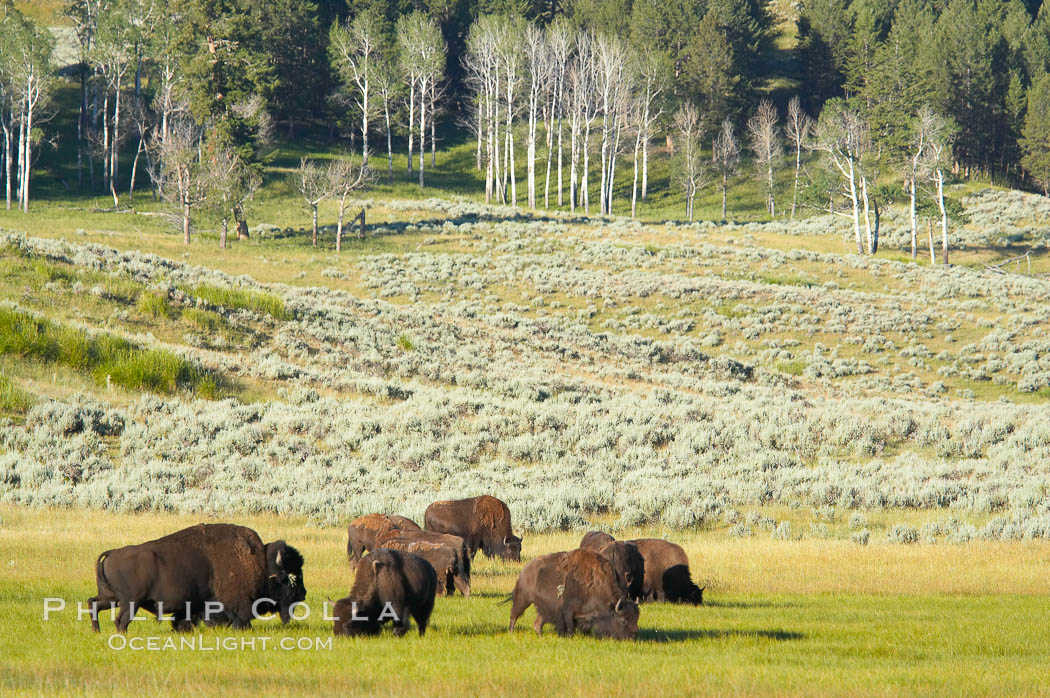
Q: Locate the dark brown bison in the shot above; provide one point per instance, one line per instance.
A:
(483, 522)
(390, 585)
(219, 572)
(667, 573)
(627, 562)
(457, 544)
(575, 590)
(595, 540)
(363, 531)
(446, 561)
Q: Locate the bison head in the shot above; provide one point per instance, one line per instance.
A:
(284, 583)
(695, 596)
(511, 549)
(619, 621)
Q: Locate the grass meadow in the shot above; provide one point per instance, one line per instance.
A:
(802, 618)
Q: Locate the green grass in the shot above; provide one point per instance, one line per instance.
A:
(794, 368)
(104, 356)
(405, 343)
(153, 304)
(237, 299)
(13, 400)
(809, 618)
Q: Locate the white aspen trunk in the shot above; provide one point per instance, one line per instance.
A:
(21, 158)
(560, 164)
(772, 203)
(411, 119)
(314, 207)
(929, 233)
(634, 182)
(852, 180)
(585, 195)
(489, 151)
(389, 142)
(106, 162)
(364, 123)
(510, 142)
(30, 104)
(433, 121)
(223, 230)
(725, 187)
(914, 224)
(645, 164)
(185, 221)
(531, 155)
(574, 149)
(8, 143)
(550, 153)
(603, 179)
(477, 157)
(867, 215)
(422, 127)
(798, 167)
(135, 167)
(339, 226)
(114, 168)
(944, 215)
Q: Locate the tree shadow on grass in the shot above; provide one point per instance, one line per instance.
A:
(658, 635)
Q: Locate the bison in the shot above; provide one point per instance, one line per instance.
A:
(446, 561)
(483, 522)
(390, 585)
(188, 571)
(667, 573)
(363, 531)
(595, 540)
(624, 557)
(575, 590)
(461, 560)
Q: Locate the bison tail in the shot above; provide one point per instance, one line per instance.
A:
(100, 571)
(510, 597)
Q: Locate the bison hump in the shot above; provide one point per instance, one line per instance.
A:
(491, 512)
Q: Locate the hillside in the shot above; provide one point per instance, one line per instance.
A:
(671, 374)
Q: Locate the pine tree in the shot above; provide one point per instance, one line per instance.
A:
(1035, 143)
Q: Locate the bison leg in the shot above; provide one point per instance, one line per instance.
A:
(517, 608)
(93, 603)
(422, 617)
(538, 624)
(127, 612)
(401, 623)
(568, 623)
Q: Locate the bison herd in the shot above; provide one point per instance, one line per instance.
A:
(225, 575)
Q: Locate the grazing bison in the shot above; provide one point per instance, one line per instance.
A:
(363, 531)
(483, 522)
(575, 590)
(457, 544)
(220, 564)
(624, 557)
(446, 561)
(390, 585)
(627, 562)
(667, 573)
(595, 540)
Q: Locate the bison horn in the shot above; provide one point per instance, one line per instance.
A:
(277, 560)
(505, 539)
(619, 603)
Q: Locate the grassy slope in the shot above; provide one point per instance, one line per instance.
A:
(805, 618)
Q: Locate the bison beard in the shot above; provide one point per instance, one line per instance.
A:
(183, 571)
(390, 580)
